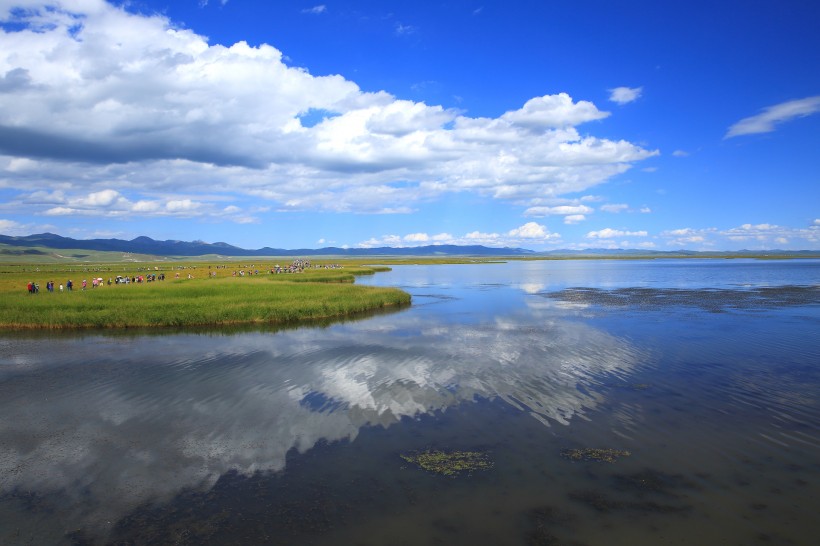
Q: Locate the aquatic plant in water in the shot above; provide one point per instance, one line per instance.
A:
(449, 463)
(605, 455)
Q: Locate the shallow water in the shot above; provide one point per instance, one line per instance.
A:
(705, 371)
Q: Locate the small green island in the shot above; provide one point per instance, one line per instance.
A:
(187, 294)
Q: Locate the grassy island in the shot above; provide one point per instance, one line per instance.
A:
(185, 294)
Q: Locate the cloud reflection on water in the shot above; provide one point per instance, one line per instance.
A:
(119, 421)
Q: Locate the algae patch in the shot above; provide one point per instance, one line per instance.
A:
(605, 455)
(449, 463)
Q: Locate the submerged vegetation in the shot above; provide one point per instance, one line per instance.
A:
(605, 455)
(449, 463)
(189, 295)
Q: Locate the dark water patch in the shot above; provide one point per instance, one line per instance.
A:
(240, 510)
(262, 508)
(711, 300)
(548, 524)
(603, 502)
(630, 386)
(652, 481)
(326, 490)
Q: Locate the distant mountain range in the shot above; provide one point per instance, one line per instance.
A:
(146, 245)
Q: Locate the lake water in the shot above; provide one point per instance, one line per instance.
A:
(706, 372)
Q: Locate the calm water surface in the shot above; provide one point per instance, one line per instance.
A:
(707, 372)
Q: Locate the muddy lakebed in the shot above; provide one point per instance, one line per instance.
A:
(533, 402)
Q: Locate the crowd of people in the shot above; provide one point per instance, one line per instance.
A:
(34, 288)
(299, 265)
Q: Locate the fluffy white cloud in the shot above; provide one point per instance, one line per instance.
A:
(530, 233)
(417, 238)
(574, 218)
(109, 100)
(614, 207)
(554, 111)
(558, 210)
(625, 95)
(758, 236)
(102, 198)
(759, 232)
(10, 227)
(609, 233)
(531, 230)
(689, 237)
(769, 118)
(110, 203)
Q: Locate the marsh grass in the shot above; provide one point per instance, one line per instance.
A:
(200, 301)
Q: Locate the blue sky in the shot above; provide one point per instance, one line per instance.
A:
(541, 125)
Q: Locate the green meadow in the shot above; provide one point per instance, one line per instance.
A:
(211, 296)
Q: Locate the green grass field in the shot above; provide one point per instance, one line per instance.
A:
(202, 300)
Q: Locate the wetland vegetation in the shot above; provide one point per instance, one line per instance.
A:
(449, 463)
(191, 294)
(601, 455)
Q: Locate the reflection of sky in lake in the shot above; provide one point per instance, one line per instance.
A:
(116, 421)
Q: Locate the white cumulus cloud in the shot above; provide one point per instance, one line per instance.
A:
(558, 210)
(574, 218)
(625, 95)
(530, 233)
(531, 230)
(10, 227)
(416, 238)
(614, 207)
(609, 233)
